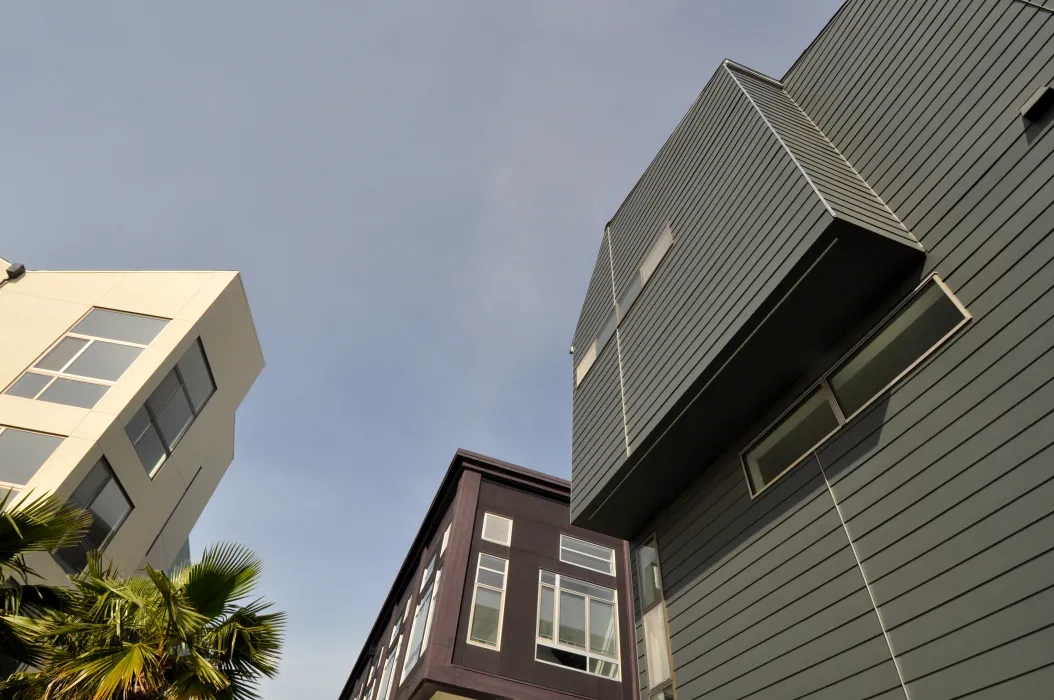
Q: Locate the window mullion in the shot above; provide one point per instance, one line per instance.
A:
(91, 341)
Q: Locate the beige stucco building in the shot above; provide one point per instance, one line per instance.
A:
(118, 390)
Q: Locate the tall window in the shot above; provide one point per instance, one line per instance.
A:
(385, 685)
(587, 555)
(89, 359)
(488, 602)
(165, 417)
(907, 336)
(101, 495)
(497, 529)
(422, 625)
(656, 635)
(22, 453)
(577, 625)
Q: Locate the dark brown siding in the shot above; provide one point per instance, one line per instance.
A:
(537, 525)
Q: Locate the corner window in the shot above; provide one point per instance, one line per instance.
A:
(89, 359)
(901, 341)
(587, 555)
(157, 427)
(22, 453)
(497, 529)
(577, 626)
(488, 602)
(657, 654)
(101, 495)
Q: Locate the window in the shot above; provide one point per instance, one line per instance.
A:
(587, 555)
(656, 635)
(89, 359)
(101, 495)
(422, 625)
(927, 318)
(586, 363)
(446, 541)
(385, 685)
(497, 529)
(488, 602)
(577, 625)
(22, 453)
(167, 414)
(647, 268)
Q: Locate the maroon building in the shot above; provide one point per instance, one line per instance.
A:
(501, 597)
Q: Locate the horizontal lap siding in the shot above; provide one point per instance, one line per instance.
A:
(597, 435)
(764, 596)
(947, 485)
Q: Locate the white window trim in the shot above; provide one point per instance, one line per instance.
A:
(610, 562)
(446, 540)
(413, 628)
(556, 644)
(483, 535)
(501, 609)
(825, 388)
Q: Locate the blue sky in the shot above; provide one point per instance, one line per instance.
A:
(415, 193)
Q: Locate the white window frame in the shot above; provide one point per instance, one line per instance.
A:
(555, 643)
(824, 388)
(501, 609)
(607, 572)
(92, 339)
(446, 540)
(387, 677)
(433, 594)
(488, 517)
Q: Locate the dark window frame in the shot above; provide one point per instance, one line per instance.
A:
(57, 554)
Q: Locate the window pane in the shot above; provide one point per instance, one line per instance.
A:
(656, 646)
(561, 657)
(629, 296)
(586, 363)
(587, 555)
(131, 328)
(545, 613)
(150, 450)
(93, 483)
(61, 354)
(607, 669)
(104, 360)
(497, 529)
(73, 393)
(29, 385)
(485, 616)
(490, 578)
(495, 563)
(904, 339)
(602, 629)
(164, 391)
(174, 418)
(73, 559)
(607, 330)
(797, 433)
(428, 571)
(549, 578)
(572, 620)
(656, 254)
(137, 425)
(664, 694)
(22, 453)
(196, 376)
(650, 582)
(589, 589)
(414, 649)
(110, 506)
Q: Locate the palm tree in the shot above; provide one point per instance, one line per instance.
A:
(197, 635)
(30, 524)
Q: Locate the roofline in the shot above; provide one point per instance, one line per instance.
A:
(463, 460)
(819, 35)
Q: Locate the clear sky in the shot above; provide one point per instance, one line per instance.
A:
(415, 194)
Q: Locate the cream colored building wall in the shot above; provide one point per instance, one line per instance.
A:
(40, 307)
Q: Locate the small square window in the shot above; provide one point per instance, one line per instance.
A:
(497, 529)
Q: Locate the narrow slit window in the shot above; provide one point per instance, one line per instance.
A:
(586, 363)
(497, 529)
(587, 555)
(488, 602)
(657, 657)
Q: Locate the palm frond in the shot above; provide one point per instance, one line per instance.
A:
(226, 573)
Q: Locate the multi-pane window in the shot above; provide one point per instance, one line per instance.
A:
(102, 496)
(167, 414)
(385, 685)
(22, 453)
(587, 555)
(908, 335)
(488, 601)
(577, 625)
(656, 637)
(422, 625)
(89, 359)
(497, 529)
(634, 287)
